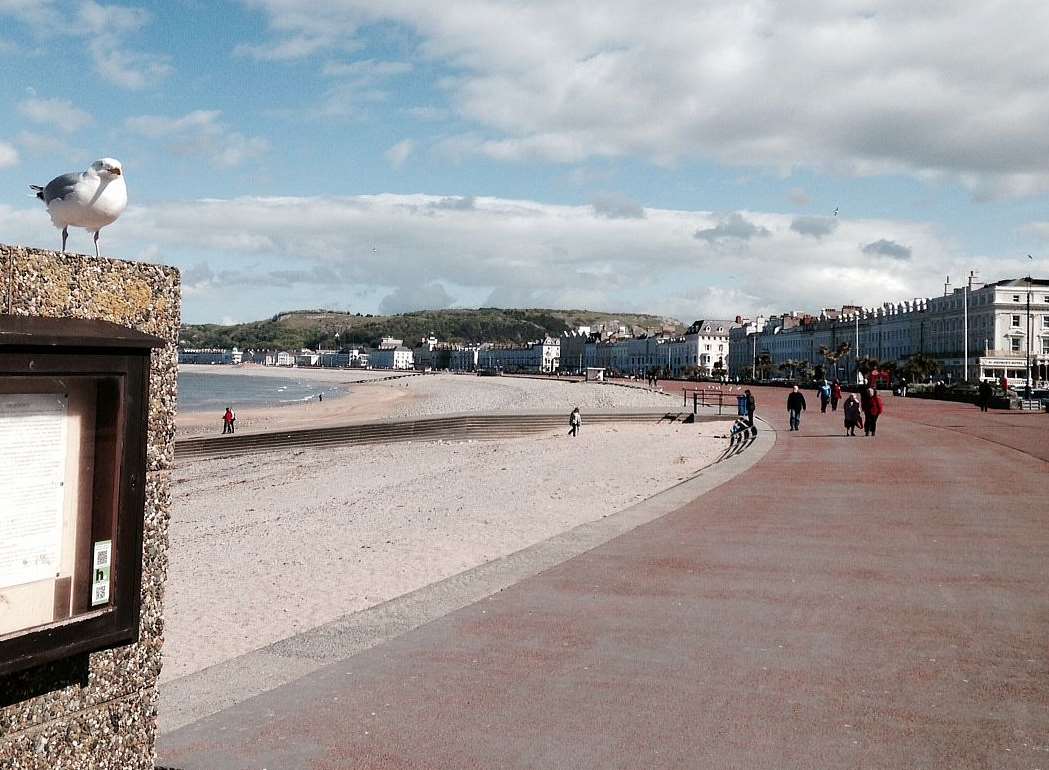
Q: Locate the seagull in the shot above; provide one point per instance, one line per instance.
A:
(91, 199)
(835, 211)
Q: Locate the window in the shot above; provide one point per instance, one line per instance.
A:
(1045, 347)
(1016, 298)
(1014, 344)
(1045, 321)
(1016, 322)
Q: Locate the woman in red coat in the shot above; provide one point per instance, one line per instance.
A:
(871, 410)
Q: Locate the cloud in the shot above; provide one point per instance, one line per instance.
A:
(733, 227)
(200, 133)
(60, 113)
(427, 113)
(830, 87)
(886, 248)
(419, 296)
(799, 197)
(817, 227)
(103, 28)
(1039, 230)
(399, 153)
(616, 206)
(370, 69)
(464, 203)
(8, 155)
(271, 254)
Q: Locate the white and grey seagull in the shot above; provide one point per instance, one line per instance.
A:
(91, 199)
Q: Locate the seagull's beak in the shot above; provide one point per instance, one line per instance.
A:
(115, 171)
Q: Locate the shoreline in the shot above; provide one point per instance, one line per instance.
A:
(365, 401)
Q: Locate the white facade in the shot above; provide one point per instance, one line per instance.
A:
(996, 315)
(543, 356)
(391, 358)
(703, 346)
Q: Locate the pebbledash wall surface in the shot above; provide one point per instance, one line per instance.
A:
(100, 711)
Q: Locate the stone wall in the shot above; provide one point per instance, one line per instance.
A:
(99, 711)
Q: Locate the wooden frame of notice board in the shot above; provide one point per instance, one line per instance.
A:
(74, 401)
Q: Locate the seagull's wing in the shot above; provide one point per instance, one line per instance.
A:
(59, 187)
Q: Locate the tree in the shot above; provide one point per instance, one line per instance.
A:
(832, 357)
(764, 366)
(920, 367)
(868, 364)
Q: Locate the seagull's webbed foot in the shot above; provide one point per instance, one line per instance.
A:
(65, 236)
(96, 242)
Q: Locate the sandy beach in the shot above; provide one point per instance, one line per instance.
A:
(373, 396)
(265, 546)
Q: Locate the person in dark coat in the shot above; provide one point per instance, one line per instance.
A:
(985, 395)
(752, 407)
(835, 395)
(853, 415)
(874, 409)
(795, 406)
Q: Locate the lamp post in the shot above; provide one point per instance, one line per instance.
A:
(1029, 330)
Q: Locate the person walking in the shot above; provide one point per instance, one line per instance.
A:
(751, 406)
(874, 409)
(795, 406)
(824, 396)
(985, 395)
(835, 395)
(227, 421)
(574, 420)
(853, 415)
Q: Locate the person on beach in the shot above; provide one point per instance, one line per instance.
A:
(853, 415)
(835, 395)
(751, 407)
(985, 395)
(795, 406)
(824, 396)
(574, 420)
(227, 421)
(870, 415)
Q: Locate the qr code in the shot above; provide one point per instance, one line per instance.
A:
(101, 593)
(102, 556)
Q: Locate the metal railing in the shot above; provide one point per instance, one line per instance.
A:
(712, 397)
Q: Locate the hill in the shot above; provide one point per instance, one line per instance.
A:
(317, 328)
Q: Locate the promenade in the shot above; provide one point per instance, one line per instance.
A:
(844, 602)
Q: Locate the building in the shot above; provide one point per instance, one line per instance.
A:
(209, 356)
(540, 356)
(703, 349)
(398, 357)
(979, 331)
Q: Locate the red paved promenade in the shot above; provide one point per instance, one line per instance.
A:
(845, 603)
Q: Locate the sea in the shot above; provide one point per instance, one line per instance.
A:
(203, 392)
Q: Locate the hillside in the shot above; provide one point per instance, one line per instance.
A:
(317, 328)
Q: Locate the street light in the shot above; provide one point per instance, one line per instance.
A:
(1029, 335)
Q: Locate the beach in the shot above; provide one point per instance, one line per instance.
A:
(269, 545)
(376, 394)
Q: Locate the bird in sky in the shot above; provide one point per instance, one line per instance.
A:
(835, 211)
(91, 199)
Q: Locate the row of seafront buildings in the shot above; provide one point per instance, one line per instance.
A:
(978, 331)
(986, 331)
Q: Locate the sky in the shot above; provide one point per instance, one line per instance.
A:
(708, 159)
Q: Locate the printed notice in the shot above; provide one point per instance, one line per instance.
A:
(32, 472)
(100, 577)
